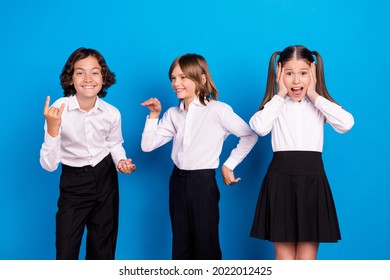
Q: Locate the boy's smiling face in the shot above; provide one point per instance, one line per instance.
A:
(87, 77)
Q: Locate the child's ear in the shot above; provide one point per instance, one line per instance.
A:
(203, 78)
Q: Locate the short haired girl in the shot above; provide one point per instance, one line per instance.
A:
(198, 128)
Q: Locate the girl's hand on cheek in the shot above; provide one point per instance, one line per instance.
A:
(282, 90)
(311, 90)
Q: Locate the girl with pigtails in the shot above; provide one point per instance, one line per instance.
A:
(295, 208)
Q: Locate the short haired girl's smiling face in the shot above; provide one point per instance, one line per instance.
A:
(87, 77)
(184, 87)
(296, 78)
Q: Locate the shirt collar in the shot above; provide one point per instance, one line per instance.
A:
(304, 99)
(196, 102)
(74, 104)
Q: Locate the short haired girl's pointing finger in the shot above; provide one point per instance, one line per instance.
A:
(154, 107)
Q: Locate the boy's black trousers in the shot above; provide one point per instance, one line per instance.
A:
(89, 197)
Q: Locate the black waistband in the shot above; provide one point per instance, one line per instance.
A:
(88, 168)
(297, 162)
(196, 172)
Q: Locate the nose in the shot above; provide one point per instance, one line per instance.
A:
(295, 79)
(87, 77)
(176, 81)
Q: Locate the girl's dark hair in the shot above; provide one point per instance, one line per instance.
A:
(68, 69)
(193, 67)
(299, 53)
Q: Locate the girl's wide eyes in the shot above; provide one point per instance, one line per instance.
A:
(303, 74)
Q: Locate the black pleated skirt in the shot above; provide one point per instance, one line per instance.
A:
(295, 203)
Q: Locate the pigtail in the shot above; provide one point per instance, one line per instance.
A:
(270, 90)
(320, 76)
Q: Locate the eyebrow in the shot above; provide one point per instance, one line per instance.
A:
(178, 75)
(80, 68)
(289, 69)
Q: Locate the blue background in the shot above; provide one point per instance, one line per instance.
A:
(139, 40)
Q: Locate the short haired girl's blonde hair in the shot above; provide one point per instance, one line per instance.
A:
(193, 67)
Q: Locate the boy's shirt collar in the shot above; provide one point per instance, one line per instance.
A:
(74, 104)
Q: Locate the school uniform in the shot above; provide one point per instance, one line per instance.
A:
(198, 135)
(295, 203)
(89, 147)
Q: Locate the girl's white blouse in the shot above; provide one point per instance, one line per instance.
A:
(299, 126)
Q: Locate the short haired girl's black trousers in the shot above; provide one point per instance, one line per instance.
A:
(194, 210)
(89, 198)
